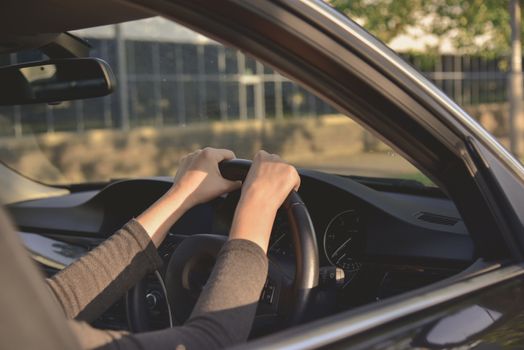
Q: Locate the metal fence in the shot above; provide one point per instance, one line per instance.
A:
(469, 80)
(167, 83)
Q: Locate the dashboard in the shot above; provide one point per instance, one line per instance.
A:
(385, 241)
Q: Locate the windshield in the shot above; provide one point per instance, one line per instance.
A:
(179, 91)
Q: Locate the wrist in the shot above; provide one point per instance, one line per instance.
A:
(181, 197)
(253, 221)
(256, 198)
(160, 216)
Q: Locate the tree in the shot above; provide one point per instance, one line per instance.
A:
(515, 80)
(473, 26)
(384, 19)
(476, 27)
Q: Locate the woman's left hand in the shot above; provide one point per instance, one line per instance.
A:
(198, 177)
(197, 180)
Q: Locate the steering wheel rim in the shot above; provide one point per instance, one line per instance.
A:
(292, 301)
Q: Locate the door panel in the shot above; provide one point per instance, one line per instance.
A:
(490, 319)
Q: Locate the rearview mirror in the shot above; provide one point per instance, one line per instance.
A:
(55, 81)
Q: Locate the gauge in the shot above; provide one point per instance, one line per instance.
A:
(343, 241)
(280, 245)
(281, 252)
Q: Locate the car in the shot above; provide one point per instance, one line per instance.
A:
(359, 262)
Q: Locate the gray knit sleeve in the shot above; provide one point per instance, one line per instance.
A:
(86, 288)
(222, 317)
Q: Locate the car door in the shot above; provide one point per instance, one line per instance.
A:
(479, 310)
(314, 45)
(415, 122)
(490, 318)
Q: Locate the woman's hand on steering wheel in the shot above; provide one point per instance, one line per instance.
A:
(198, 178)
(267, 184)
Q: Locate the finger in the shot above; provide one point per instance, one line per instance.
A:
(232, 185)
(295, 177)
(297, 184)
(275, 157)
(226, 154)
(219, 154)
(190, 156)
(261, 154)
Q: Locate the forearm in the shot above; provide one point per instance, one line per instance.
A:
(253, 220)
(90, 285)
(266, 186)
(87, 287)
(163, 214)
(230, 297)
(221, 318)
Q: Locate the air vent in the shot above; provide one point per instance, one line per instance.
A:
(437, 219)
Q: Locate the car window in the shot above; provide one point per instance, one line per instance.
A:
(178, 91)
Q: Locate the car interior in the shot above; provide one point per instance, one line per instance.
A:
(377, 235)
(402, 237)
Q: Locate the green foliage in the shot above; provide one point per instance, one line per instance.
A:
(384, 18)
(423, 61)
(478, 27)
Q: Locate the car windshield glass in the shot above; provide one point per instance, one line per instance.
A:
(179, 91)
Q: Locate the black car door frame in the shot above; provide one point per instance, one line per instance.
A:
(330, 330)
(336, 59)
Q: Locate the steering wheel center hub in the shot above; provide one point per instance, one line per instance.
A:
(188, 271)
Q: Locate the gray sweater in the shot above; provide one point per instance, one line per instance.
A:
(222, 316)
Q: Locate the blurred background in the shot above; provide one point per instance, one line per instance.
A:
(178, 90)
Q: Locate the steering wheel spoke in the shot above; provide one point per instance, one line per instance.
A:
(270, 296)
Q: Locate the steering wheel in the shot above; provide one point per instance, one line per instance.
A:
(284, 299)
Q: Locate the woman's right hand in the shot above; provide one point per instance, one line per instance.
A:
(267, 184)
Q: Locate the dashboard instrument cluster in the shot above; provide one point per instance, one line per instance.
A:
(343, 242)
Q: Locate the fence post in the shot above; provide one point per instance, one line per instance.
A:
(157, 84)
(17, 109)
(122, 77)
(515, 83)
(108, 118)
(221, 81)
(260, 102)
(180, 94)
(242, 93)
(201, 93)
(279, 104)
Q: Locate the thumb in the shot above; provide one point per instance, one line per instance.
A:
(230, 186)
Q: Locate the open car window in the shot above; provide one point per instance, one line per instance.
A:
(178, 91)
